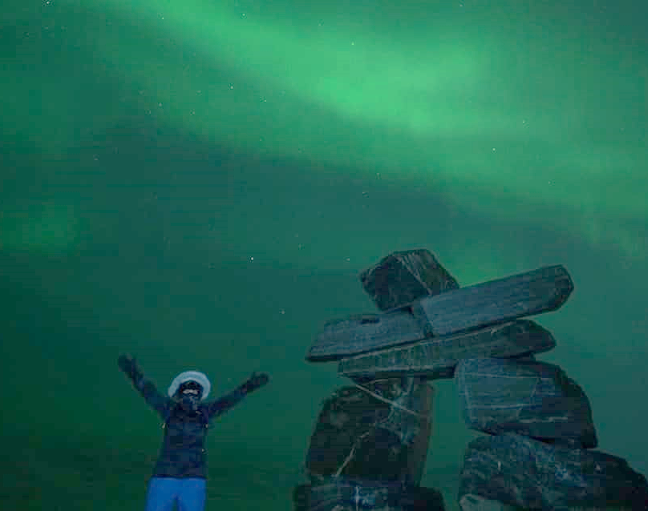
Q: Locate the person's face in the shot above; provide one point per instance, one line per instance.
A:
(190, 394)
(191, 388)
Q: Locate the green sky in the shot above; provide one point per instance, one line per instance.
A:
(544, 108)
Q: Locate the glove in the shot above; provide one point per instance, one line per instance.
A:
(128, 365)
(255, 381)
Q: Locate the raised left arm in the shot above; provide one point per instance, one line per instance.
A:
(225, 403)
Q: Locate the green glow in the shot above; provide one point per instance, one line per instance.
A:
(522, 112)
(41, 227)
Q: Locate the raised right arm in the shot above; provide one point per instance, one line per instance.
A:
(145, 387)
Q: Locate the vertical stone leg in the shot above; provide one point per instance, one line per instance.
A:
(369, 447)
(539, 455)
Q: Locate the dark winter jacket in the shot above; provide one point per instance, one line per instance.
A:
(183, 448)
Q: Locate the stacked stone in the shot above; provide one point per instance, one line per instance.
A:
(371, 440)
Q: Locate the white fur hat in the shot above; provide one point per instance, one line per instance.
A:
(191, 375)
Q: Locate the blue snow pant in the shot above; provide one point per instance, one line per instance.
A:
(163, 493)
